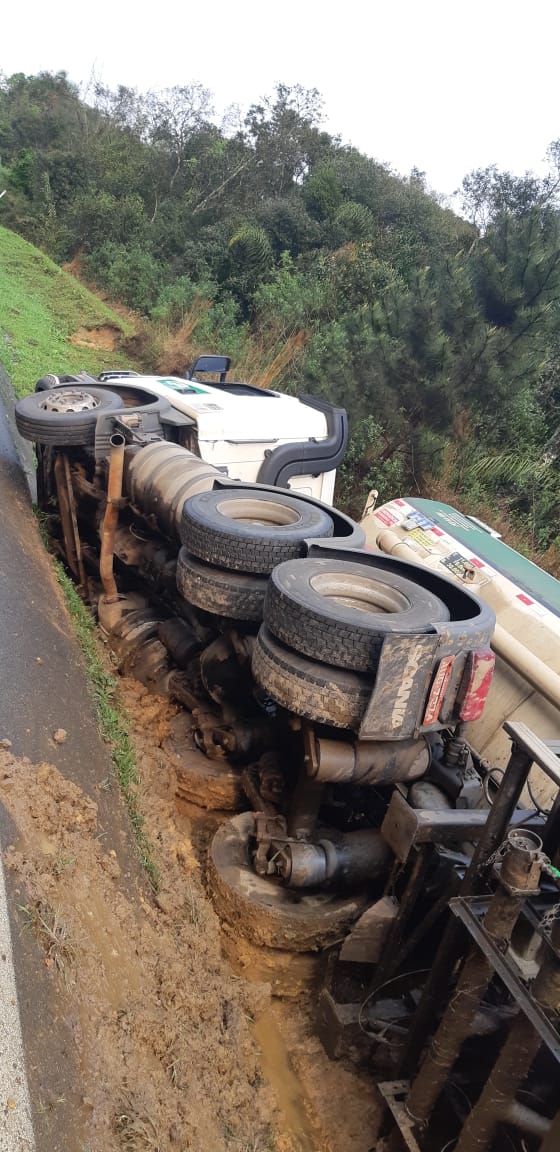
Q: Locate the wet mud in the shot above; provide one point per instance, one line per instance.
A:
(175, 1048)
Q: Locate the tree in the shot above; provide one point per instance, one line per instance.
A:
(174, 117)
(284, 133)
(439, 329)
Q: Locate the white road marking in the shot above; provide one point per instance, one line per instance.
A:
(16, 1128)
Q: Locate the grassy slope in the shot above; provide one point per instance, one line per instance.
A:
(40, 308)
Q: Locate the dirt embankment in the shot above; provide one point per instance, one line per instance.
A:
(106, 336)
(161, 1024)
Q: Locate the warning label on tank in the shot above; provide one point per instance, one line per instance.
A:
(417, 520)
(458, 565)
(388, 518)
(421, 537)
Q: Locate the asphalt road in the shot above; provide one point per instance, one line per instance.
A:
(42, 688)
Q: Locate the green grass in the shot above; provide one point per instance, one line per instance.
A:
(40, 308)
(112, 724)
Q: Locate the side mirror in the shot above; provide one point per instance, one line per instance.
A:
(216, 365)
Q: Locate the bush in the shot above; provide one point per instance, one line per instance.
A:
(370, 463)
(128, 274)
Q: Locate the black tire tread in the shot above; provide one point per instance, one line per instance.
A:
(62, 429)
(311, 636)
(345, 645)
(226, 546)
(231, 594)
(319, 692)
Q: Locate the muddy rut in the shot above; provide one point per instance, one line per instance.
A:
(175, 1050)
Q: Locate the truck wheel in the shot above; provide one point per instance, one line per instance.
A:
(45, 383)
(249, 530)
(265, 912)
(210, 786)
(236, 595)
(340, 612)
(214, 785)
(290, 974)
(64, 416)
(317, 691)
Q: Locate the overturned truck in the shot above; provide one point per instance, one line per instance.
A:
(373, 858)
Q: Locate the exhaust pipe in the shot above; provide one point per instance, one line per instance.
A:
(114, 497)
(365, 762)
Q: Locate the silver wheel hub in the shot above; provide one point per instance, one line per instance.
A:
(69, 401)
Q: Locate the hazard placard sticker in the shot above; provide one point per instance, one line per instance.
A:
(388, 518)
(417, 520)
(458, 565)
(421, 537)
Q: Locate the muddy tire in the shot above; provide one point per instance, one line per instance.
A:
(265, 912)
(250, 530)
(64, 416)
(317, 691)
(235, 595)
(215, 786)
(290, 974)
(339, 612)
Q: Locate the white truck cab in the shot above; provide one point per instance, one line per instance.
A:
(250, 433)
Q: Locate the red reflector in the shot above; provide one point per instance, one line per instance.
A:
(475, 684)
(439, 686)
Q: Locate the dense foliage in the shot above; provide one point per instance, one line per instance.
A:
(316, 266)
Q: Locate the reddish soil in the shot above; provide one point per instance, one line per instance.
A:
(106, 337)
(162, 1025)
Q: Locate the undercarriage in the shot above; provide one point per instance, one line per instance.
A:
(327, 692)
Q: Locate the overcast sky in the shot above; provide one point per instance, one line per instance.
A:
(436, 84)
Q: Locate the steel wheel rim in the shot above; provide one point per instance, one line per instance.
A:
(360, 593)
(262, 513)
(69, 401)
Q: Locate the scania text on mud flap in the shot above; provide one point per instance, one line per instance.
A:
(411, 668)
